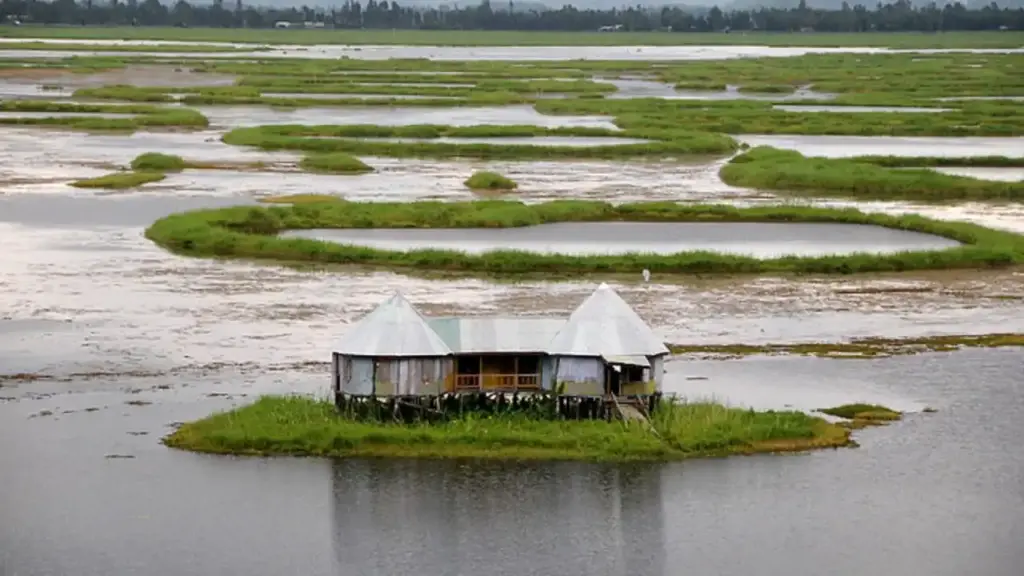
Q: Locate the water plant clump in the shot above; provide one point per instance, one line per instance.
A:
(863, 415)
(334, 163)
(251, 233)
(304, 426)
(490, 181)
(768, 168)
(158, 162)
(92, 119)
(120, 180)
(371, 140)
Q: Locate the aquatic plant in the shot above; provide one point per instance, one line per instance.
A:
(158, 162)
(144, 115)
(304, 426)
(355, 139)
(221, 233)
(858, 347)
(768, 168)
(489, 181)
(120, 180)
(334, 163)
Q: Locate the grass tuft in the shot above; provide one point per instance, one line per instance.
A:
(490, 181)
(120, 180)
(334, 163)
(158, 162)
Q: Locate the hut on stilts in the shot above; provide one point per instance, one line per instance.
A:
(602, 357)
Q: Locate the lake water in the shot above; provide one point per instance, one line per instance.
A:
(937, 494)
(236, 116)
(764, 240)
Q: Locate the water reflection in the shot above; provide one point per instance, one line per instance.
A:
(571, 519)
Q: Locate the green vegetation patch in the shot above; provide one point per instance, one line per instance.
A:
(768, 168)
(120, 180)
(306, 427)
(334, 163)
(158, 162)
(490, 181)
(144, 116)
(367, 140)
(251, 232)
(863, 415)
(857, 348)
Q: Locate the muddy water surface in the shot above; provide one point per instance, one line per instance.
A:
(762, 240)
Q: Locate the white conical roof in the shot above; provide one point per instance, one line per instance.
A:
(394, 328)
(604, 325)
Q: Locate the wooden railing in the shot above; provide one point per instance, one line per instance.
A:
(466, 382)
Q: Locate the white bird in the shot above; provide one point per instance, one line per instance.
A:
(647, 275)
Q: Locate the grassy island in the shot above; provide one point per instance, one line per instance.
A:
(306, 427)
(336, 163)
(120, 180)
(490, 181)
(96, 117)
(768, 168)
(423, 141)
(863, 415)
(252, 233)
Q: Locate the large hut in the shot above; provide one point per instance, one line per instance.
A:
(603, 348)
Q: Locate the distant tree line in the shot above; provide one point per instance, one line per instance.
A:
(898, 16)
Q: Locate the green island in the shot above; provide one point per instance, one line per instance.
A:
(120, 180)
(100, 117)
(301, 426)
(767, 168)
(153, 167)
(490, 181)
(252, 233)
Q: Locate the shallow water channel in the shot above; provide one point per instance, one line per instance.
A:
(763, 240)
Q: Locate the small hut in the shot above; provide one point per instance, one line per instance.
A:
(603, 348)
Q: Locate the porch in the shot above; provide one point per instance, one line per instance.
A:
(497, 373)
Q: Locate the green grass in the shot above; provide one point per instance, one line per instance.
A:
(942, 161)
(120, 180)
(863, 415)
(145, 116)
(522, 38)
(305, 427)
(490, 181)
(334, 163)
(250, 233)
(158, 162)
(365, 140)
(72, 47)
(768, 168)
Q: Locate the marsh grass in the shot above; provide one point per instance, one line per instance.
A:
(489, 181)
(353, 139)
(306, 427)
(863, 415)
(120, 180)
(145, 116)
(158, 162)
(251, 233)
(768, 168)
(334, 163)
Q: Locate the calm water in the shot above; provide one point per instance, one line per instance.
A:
(938, 494)
(760, 239)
